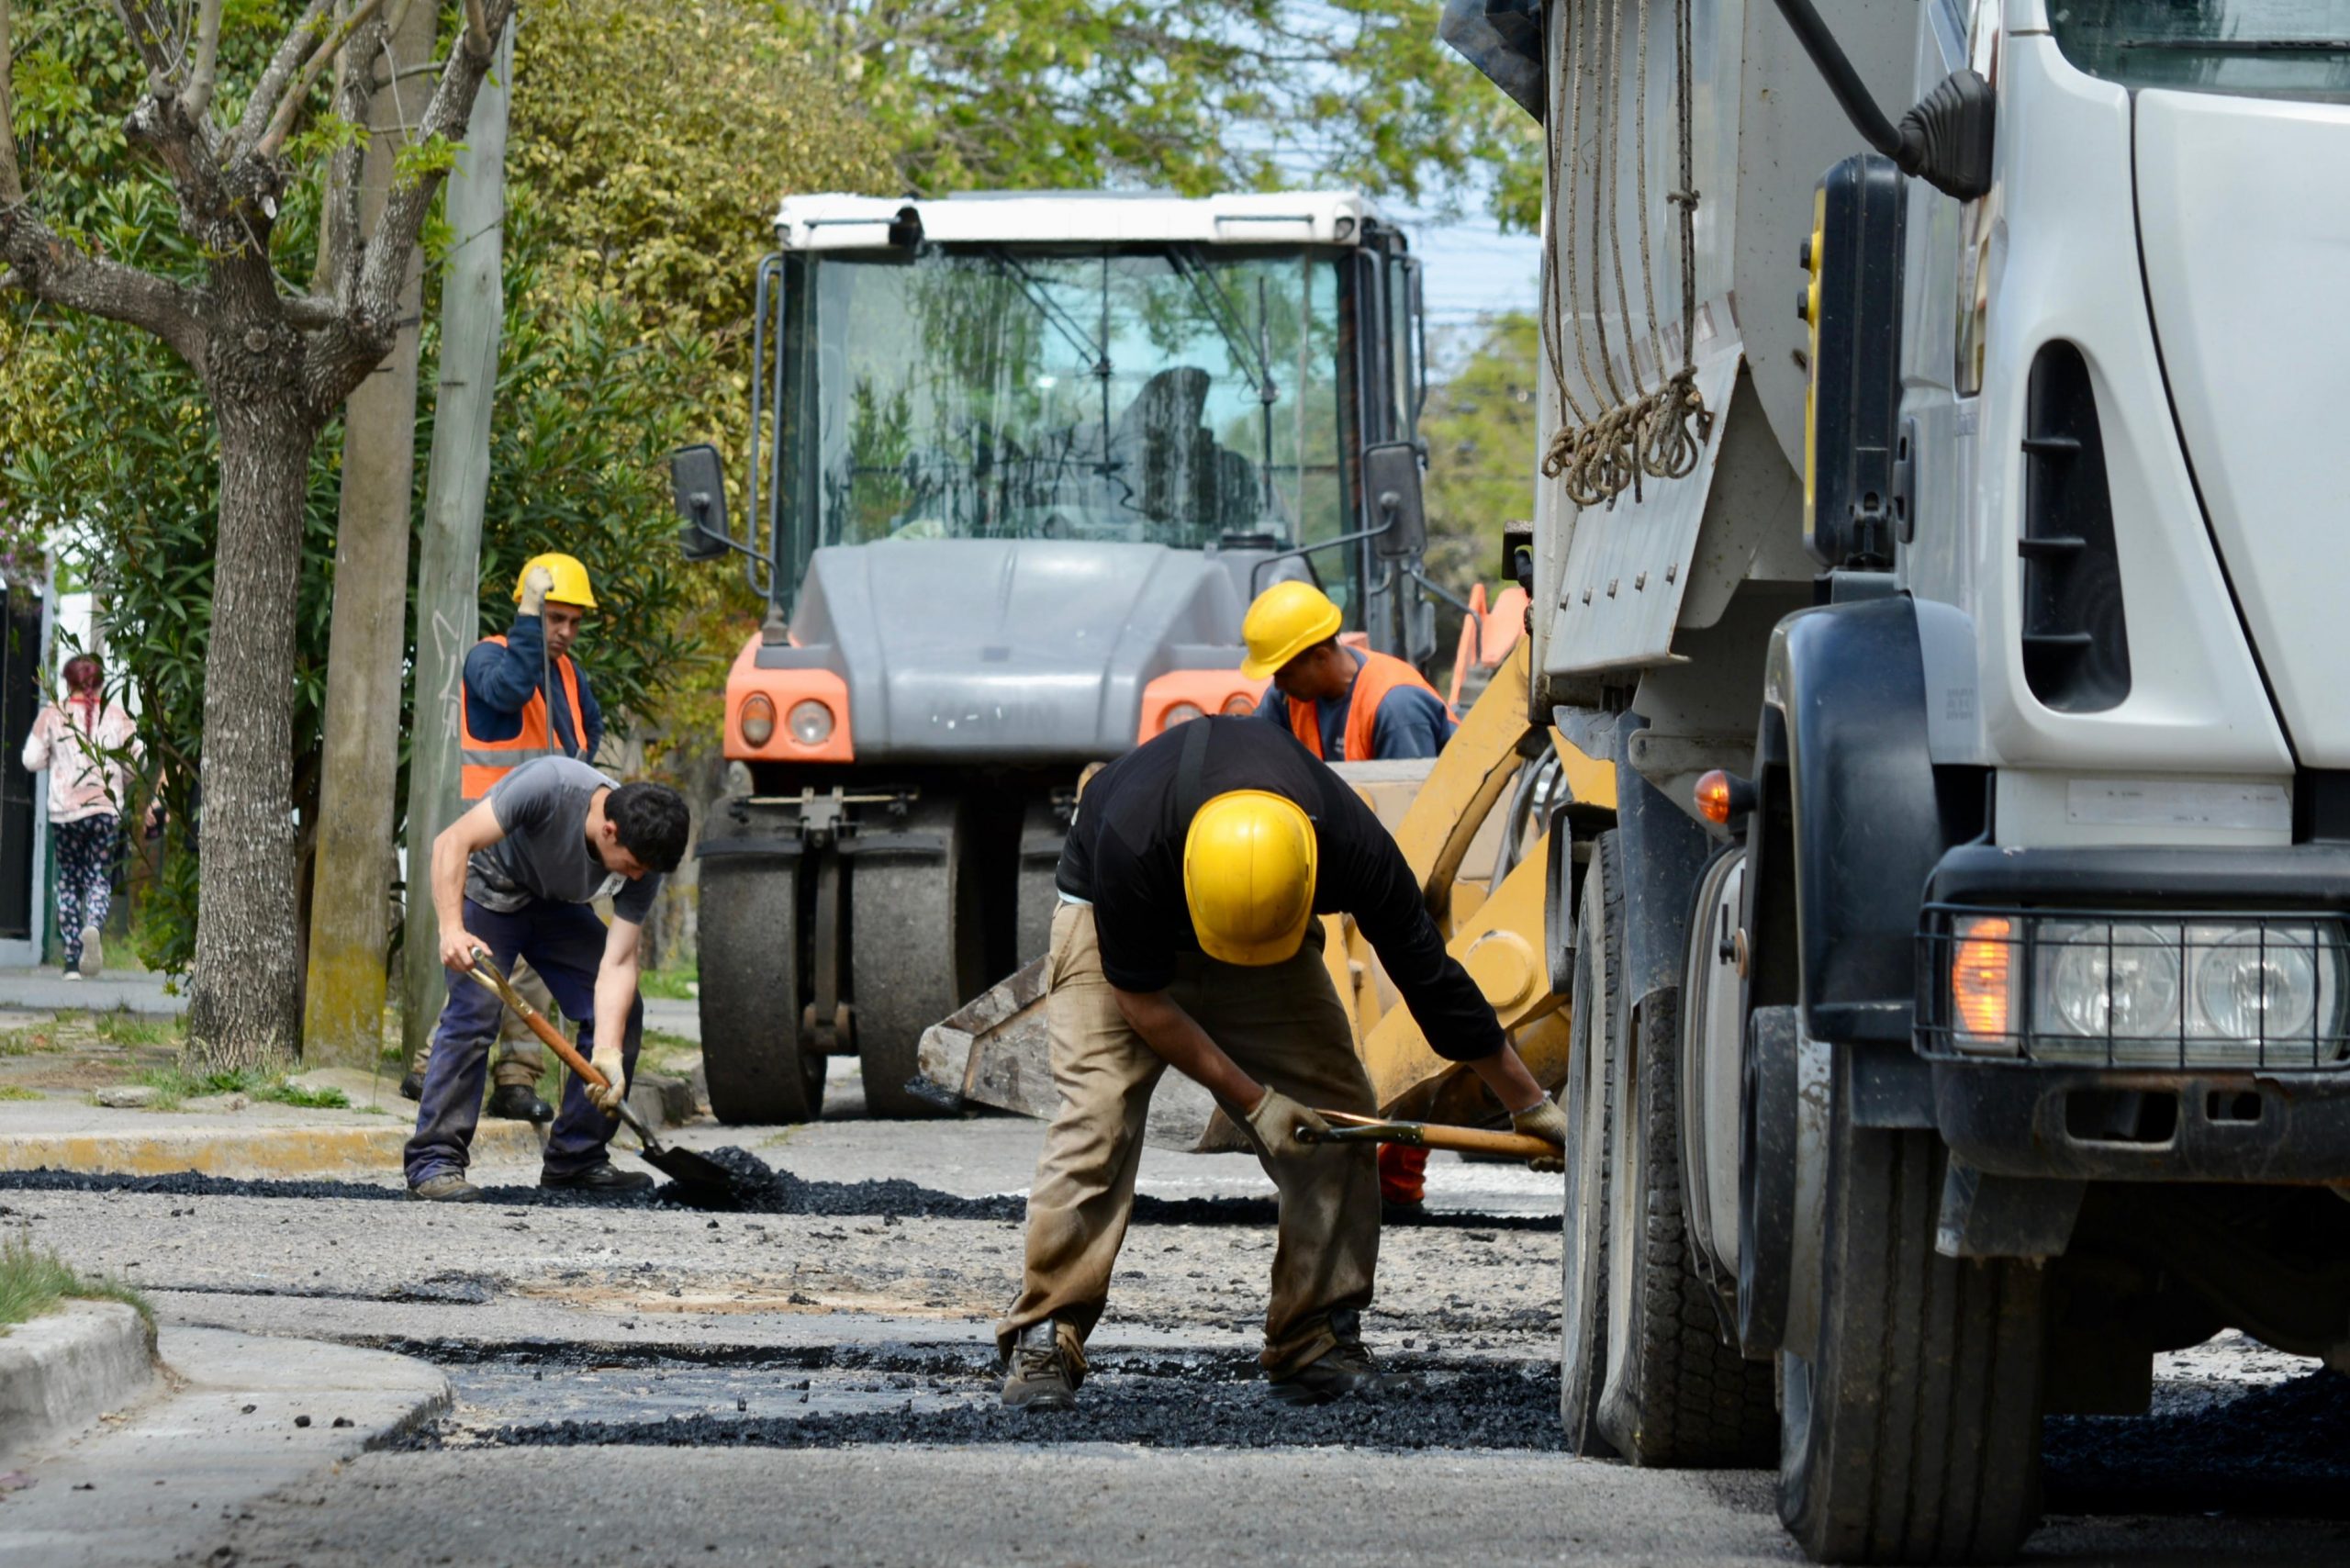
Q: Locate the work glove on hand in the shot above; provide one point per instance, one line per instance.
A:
(1277, 1118)
(1543, 1119)
(535, 587)
(608, 1099)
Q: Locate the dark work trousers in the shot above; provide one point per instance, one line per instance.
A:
(565, 942)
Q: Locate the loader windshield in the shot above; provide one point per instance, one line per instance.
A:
(2288, 48)
(1172, 394)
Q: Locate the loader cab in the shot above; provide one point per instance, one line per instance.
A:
(1200, 375)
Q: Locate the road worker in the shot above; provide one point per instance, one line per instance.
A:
(524, 697)
(1343, 704)
(514, 876)
(1186, 936)
(1352, 705)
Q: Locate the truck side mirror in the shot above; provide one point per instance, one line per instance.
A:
(1391, 477)
(698, 480)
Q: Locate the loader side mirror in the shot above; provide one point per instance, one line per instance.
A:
(1391, 477)
(698, 480)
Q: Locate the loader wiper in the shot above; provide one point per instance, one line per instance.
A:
(2244, 46)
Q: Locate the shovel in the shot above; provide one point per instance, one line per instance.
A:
(683, 1165)
(1348, 1127)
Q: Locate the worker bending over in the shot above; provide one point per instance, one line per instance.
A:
(524, 697)
(1352, 705)
(514, 876)
(1343, 704)
(1186, 936)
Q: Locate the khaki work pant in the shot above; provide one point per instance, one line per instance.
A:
(1283, 1024)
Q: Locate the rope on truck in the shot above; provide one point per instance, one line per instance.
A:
(1641, 431)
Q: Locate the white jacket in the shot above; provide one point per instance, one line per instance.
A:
(85, 777)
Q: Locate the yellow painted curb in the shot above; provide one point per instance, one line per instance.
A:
(250, 1151)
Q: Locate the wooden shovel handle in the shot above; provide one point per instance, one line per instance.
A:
(1438, 1134)
(486, 973)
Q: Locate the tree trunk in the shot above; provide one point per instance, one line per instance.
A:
(245, 1010)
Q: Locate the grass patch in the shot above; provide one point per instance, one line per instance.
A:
(670, 985)
(121, 1028)
(33, 1280)
(18, 1092)
(29, 1042)
(174, 1085)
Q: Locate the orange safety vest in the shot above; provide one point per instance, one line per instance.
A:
(485, 762)
(1381, 674)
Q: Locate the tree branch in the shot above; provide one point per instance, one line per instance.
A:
(276, 73)
(147, 38)
(11, 185)
(289, 108)
(478, 38)
(46, 267)
(205, 74)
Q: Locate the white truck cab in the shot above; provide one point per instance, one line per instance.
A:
(1944, 535)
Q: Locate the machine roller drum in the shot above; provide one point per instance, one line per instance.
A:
(750, 992)
(915, 946)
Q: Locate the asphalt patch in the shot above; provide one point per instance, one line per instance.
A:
(2280, 1450)
(758, 1188)
(1161, 1403)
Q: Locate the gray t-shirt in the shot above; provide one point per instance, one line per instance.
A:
(542, 805)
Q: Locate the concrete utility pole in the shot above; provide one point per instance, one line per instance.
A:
(351, 887)
(473, 313)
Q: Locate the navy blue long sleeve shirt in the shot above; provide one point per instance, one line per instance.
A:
(499, 681)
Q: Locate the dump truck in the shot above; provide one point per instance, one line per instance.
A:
(1939, 532)
(1017, 464)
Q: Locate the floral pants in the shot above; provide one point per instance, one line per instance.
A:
(85, 878)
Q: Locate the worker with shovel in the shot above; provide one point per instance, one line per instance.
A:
(1186, 936)
(514, 876)
(1350, 705)
(524, 697)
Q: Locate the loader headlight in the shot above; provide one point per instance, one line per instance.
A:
(758, 718)
(1239, 705)
(811, 722)
(2096, 980)
(2261, 984)
(1180, 713)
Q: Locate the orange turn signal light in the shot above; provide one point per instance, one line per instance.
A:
(1721, 795)
(1980, 975)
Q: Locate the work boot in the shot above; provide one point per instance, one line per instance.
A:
(1041, 1377)
(604, 1177)
(1345, 1367)
(446, 1188)
(517, 1103)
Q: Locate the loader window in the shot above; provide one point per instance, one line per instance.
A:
(2287, 49)
(1171, 395)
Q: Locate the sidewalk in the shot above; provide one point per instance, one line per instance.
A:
(47, 991)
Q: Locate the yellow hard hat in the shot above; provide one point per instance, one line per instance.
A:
(570, 579)
(1248, 863)
(1286, 619)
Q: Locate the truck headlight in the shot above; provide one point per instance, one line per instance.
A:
(1179, 713)
(2209, 993)
(2097, 979)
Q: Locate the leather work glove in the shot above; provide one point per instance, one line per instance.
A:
(608, 1099)
(1543, 1119)
(534, 590)
(1276, 1121)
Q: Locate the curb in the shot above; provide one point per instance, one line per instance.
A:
(62, 1370)
(248, 1152)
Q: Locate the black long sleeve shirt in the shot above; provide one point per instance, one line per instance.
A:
(1125, 857)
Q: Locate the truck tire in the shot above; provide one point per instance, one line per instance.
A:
(1911, 1432)
(1676, 1393)
(914, 947)
(749, 924)
(1583, 1297)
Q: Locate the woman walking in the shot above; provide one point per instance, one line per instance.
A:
(83, 743)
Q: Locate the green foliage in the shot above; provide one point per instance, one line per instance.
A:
(670, 985)
(1191, 95)
(18, 1092)
(33, 1280)
(417, 161)
(1482, 427)
(174, 1086)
